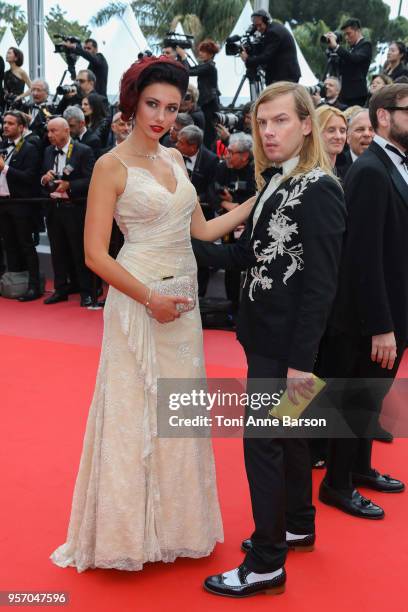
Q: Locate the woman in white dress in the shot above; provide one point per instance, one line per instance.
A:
(139, 497)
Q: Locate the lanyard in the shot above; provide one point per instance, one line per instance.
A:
(16, 148)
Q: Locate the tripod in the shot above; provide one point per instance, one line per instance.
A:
(256, 79)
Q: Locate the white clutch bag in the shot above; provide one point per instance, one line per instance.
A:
(180, 286)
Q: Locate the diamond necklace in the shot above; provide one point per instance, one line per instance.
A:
(151, 156)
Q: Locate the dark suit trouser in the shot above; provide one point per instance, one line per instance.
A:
(65, 226)
(16, 230)
(349, 357)
(280, 480)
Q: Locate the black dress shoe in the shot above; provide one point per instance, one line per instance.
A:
(357, 505)
(86, 301)
(382, 435)
(305, 544)
(245, 583)
(55, 298)
(379, 482)
(30, 295)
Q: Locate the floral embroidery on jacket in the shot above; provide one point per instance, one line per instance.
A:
(282, 231)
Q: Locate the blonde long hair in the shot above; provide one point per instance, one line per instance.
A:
(312, 154)
(325, 113)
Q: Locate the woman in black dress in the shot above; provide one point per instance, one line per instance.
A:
(207, 83)
(15, 79)
(95, 116)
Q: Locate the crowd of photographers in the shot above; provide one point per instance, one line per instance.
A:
(50, 144)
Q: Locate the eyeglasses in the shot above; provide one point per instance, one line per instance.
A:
(229, 152)
(396, 108)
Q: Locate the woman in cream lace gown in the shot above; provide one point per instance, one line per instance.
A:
(139, 497)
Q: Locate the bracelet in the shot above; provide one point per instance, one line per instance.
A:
(149, 297)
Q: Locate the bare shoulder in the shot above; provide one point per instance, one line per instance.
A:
(110, 173)
(176, 155)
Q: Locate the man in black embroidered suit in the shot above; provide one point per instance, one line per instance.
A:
(369, 325)
(291, 250)
(66, 174)
(18, 181)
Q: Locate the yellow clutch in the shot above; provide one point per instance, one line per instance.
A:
(288, 408)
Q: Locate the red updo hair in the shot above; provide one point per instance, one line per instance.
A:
(208, 46)
(145, 72)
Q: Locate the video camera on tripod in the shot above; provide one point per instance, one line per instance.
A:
(70, 55)
(250, 42)
(174, 40)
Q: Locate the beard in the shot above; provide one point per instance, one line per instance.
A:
(399, 135)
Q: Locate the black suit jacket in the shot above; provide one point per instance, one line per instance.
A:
(22, 175)
(277, 54)
(82, 160)
(204, 172)
(207, 81)
(373, 291)
(292, 263)
(91, 139)
(38, 125)
(354, 65)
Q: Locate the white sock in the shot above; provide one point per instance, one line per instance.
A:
(295, 536)
(231, 578)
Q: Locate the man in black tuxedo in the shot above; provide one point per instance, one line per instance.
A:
(40, 108)
(354, 64)
(78, 130)
(19, 166)
(369, 325)
(276, 53)
(360, 134)
(233, 184)
(291, 249)
(201, 165)
(66, 173)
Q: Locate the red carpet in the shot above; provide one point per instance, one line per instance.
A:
(48, 359)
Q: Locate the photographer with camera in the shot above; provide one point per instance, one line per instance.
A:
(207, 74)
(353, 65)
(67, 170)
(97, 61)
(231, 122)
(19, 165)
(233, 184)
(275, 52)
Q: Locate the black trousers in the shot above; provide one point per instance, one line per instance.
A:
(210, 133)
(65, 226)
(346, 357)
(280, 480)
(16, 231)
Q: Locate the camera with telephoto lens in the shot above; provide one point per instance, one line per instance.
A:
(227, 119)
(63, 90)
(250, 42)
(325, 39)
(60, 48)
(317, 89)
(173, 40)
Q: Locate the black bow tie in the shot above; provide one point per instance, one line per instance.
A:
(271, 172)
(403, 156)
(59, 152)
(187, 159)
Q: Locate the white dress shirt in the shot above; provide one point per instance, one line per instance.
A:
(4, 188)
(287, 167)
(59, 165)
(190, 162)
(396, 159)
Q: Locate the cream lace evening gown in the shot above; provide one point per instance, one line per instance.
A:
(139, 497)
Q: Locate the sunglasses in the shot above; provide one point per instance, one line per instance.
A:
(396, 108)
